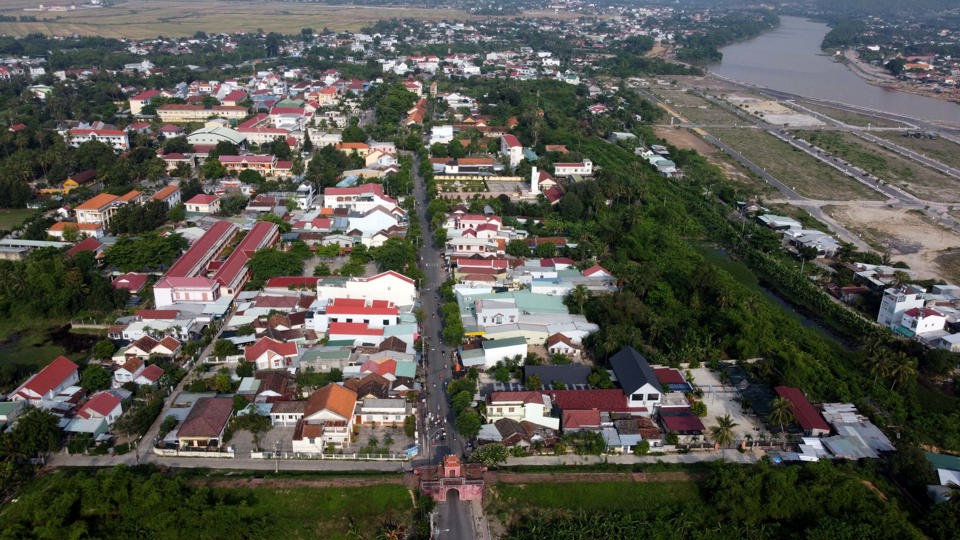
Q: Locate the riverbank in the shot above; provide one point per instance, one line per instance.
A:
(878, 76)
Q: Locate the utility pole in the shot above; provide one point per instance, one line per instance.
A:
(276, 457)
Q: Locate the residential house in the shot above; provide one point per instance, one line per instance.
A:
(530, 406)
(384, 412)
(637, 378)
(203, 204)
(561, 344)
(103, 405)
(287, 413)
(169, 195)
(269, 353)
(205, 424)
(128, 372)
(150, 376)
(397, 287)
(48, 382)
(116, 139)
(327, 420)
(583, 168)
(511, 149)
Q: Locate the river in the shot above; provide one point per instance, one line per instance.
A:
(789, 59)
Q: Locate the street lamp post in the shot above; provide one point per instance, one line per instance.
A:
(276, 457)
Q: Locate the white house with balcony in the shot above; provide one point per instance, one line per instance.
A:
(897, 300)
(530, 406)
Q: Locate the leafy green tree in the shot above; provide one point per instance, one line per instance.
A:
(599, 378)
(224, 347)
(410, 425)
(460, 401)
(490, 455)
(36, 432)
(468, 424)
(103, 349)
(579, 296)
(95, 377)
(546, 250)
(501, 373)
(642, 448)
(177, 213)
(518, 248)
(699, 408)
(354, 134)
(534, 383)
(268, 263)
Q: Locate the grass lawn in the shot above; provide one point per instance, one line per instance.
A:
(592, 496)
(330, 513)
(802, 172)
(11, 218)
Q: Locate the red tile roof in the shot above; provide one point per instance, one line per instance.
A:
(511, 140)
(341, 306)
(353, 329)
(154, 314)
(669, 376)
(578, 419)
(201, 249)
(132, 282)
(682, 423)
(806, 414)
(51, 376)
(334, 398)
(207, 418)
(100, 405)
(87, 244)
(251, 353)
(152, 373)
(612, 400)
(524, 397)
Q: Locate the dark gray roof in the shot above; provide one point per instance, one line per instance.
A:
(632, 370)
(568, 374)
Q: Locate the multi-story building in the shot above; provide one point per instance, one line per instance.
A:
(114, 138)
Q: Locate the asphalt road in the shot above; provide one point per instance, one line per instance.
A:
(454, 519)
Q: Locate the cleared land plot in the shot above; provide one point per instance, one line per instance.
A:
(142, 19)
(890, 167)
(929, 249)
(941, 149)
(805, 174)
(852, 118)
(696, 109)
(14, 217)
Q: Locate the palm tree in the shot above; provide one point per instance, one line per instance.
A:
(781, 412)
(902, 368)
(579, 296)
(879, 365)
(722, 433)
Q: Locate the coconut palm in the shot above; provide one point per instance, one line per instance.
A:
(902, 368)
(722, 433)
(781, 412)
(579, 296)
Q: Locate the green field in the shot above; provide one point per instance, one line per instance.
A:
(593, 496)
(139, 19)
(333, 513)
(806, 175)
(940, 149)
(890, 167)
(28, 343)
(11, 218)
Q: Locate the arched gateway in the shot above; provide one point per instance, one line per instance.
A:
(438, 481)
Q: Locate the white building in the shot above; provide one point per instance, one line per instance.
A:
(583, 168)
(530, 406)
(511, 149)
(920, 322)
(114, 138)
(396, 287)
(896, 301)
(441, 134)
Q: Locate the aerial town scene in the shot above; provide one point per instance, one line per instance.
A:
(545, 269)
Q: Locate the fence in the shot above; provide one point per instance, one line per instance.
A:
(232, 359)
(173, 452)
(355, 456)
